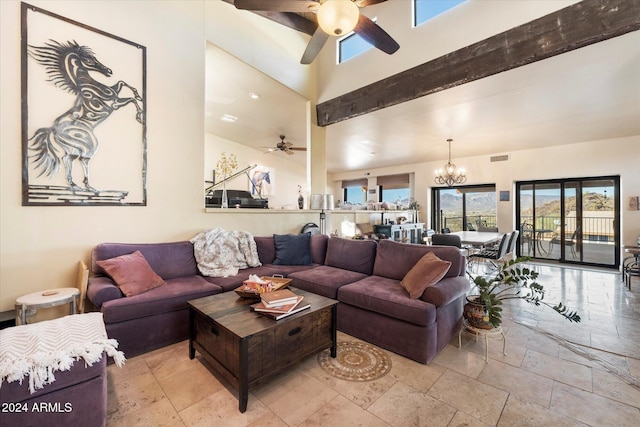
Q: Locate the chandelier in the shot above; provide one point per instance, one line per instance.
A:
(450, 175)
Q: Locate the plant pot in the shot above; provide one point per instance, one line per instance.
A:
(475, 313)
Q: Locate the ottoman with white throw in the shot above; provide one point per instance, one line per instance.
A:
(54, 373)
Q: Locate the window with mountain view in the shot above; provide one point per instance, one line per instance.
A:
(464, 208)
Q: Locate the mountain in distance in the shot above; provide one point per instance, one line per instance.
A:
(477, 202)
(547, 205)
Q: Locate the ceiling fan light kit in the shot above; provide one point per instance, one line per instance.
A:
(451, 174)
(334, 18)
(338, 17)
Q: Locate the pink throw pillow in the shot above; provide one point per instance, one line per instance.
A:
(132, 273)
(427, 271)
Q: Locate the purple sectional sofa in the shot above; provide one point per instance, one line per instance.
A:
(362, 274)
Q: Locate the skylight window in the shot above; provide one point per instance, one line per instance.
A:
(423, 10)
(352, 45)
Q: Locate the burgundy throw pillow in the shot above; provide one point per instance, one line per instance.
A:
(132, 273)
(427, 271)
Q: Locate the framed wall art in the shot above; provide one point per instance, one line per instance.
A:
(83, 114)
(261, 181)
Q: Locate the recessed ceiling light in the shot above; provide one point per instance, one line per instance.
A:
(229, 118)
(254, 95)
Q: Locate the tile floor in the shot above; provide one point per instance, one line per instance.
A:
(540, 382)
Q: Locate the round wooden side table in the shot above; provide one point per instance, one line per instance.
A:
(486, 333)
(27, 305)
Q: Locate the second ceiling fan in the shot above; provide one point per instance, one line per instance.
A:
(285, 147)
(335, 18)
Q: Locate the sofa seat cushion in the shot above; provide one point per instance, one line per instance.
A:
(170, 297)
(232, 282)
(386, 296)
(324, 280)
(287, 270)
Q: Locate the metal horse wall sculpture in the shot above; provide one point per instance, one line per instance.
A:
(71, 137)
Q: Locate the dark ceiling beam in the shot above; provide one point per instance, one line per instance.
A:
(576, 26)
(292, 20)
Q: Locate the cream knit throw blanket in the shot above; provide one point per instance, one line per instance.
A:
(40, 349)
(221, 253)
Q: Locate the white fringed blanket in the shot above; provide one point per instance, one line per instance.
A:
(41, 349)
(221, 253)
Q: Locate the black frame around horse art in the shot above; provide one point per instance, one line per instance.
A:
(83, 114)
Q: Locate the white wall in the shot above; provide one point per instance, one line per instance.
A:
(40, 246)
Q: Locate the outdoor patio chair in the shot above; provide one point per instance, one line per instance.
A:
(570, 243)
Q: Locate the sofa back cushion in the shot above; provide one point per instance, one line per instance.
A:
(394, 259)
(349, 254)
(267, 248)
(168, 260)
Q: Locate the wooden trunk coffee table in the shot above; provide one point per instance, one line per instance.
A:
(246, 348)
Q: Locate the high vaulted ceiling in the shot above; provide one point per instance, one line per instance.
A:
(588, 94)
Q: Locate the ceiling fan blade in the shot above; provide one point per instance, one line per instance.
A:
(287, 145)
(372, 33)
(365, 3)
(298, 148)
(289, 152)
(277, 5)
(316, 43)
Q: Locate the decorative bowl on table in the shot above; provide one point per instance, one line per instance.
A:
(251, 289)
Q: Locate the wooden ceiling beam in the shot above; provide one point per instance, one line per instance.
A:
(304, 23)
(576, 26)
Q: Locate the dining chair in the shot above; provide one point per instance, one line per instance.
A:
(493, 256)
(513, 240)
(446, 230)
(484, 228)
(446, 240)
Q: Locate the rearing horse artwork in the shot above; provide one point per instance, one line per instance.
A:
(71, 136)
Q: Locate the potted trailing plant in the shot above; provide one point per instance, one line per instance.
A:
(511, 281)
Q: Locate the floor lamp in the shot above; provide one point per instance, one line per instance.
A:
(322, 202)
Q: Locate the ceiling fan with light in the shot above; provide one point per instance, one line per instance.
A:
(285, 147)
(335, 18)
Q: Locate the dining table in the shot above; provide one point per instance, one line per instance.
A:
(478, 238)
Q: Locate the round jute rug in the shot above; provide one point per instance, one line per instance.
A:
(356, 361)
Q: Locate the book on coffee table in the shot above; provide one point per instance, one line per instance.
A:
(278, 316)
(278, 298)
(280, 309)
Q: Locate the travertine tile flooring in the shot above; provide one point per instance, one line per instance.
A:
(540, 382)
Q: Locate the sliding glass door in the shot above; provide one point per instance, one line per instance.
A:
(570, 220)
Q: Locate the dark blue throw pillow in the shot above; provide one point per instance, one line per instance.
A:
(293, 249)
